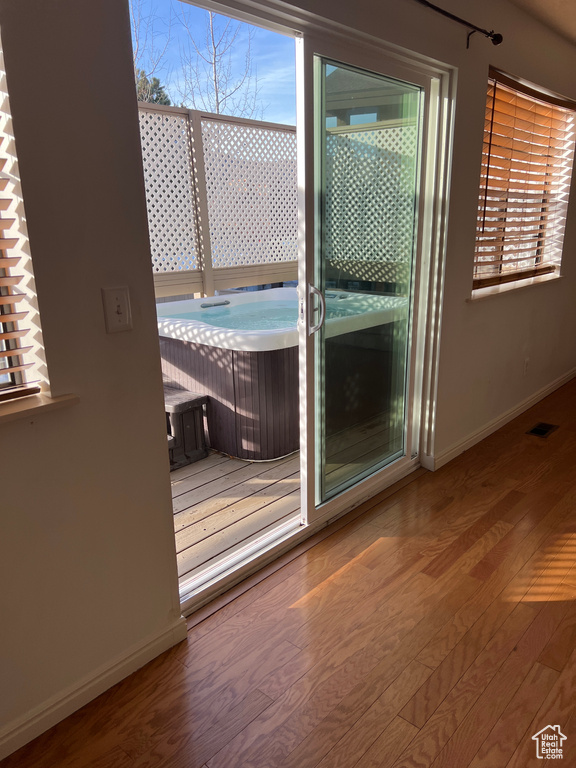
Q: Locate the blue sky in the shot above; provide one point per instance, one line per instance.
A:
(273, 58)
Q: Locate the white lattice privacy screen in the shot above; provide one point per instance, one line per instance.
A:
(240, 175)
(168, 175)
(370, 198)
(252, 193)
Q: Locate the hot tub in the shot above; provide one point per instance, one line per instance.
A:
(242, 350)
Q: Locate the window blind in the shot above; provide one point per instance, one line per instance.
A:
(13, 309)
(526, 169)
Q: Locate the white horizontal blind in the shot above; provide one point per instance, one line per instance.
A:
(526, 170)
(16, 342)
(11, 333)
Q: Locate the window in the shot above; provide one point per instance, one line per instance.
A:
(525, 181)
(15, 272)
(12, 351)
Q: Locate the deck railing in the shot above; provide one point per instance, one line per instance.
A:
(221, 196)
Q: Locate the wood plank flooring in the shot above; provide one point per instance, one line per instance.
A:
(436, 628)
(222, 503)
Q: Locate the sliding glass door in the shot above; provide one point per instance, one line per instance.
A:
(368, 149)
(358, 286)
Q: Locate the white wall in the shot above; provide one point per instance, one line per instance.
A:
(485, 343)
(87, 550)
(87, 547)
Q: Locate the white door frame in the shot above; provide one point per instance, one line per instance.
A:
(354, 50)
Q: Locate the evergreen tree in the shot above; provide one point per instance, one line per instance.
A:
(149, 89)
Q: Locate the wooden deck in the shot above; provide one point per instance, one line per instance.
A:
(221, 504)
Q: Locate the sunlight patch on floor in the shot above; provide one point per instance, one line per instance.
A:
(556, 569)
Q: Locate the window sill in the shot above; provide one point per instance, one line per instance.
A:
(495, 290)
(25, 407)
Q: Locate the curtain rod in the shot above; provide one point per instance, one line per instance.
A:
(494, 36)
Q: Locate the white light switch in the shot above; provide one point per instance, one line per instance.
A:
(117, 309)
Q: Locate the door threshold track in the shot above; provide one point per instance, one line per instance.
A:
(224, 568)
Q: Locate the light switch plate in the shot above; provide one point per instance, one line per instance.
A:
(117, 312)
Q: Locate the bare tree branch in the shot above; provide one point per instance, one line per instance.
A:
(151, 38)
(209, 82)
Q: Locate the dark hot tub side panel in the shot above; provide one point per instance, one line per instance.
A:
(253, 396)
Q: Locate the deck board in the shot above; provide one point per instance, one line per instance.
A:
(222, 503)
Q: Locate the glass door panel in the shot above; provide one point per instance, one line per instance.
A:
(367, 147)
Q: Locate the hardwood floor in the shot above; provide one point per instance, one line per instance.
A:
(436, 628)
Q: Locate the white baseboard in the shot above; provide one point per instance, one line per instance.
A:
(438, 461)
(52, 711)
(428, 462)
